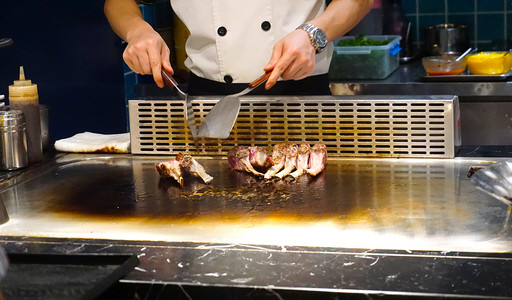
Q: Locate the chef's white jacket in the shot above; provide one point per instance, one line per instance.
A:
(232, 40)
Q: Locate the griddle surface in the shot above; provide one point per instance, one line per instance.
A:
(361, 203)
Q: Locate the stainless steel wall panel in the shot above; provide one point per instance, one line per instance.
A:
(412, 126)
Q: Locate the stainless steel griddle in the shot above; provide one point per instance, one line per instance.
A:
(408, 204)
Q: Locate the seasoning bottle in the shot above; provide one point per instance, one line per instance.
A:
(13, 141)
(23, 96)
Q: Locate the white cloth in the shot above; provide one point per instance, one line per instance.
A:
(88, 142)
(246, 48)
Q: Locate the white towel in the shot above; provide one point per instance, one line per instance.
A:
(88, 142)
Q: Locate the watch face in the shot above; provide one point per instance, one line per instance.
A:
(320, 39)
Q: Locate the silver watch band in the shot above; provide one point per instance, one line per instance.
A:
(316, 36)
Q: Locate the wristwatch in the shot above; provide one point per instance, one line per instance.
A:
(316, 35)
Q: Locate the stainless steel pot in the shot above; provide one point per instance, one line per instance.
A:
(451, 38)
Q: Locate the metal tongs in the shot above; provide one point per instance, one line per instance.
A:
(189, 111)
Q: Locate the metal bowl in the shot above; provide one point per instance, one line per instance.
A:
(496, 181)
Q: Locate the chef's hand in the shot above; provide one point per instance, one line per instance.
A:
(147, 53)
(293, 58)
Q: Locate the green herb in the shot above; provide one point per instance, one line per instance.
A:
(362, 40)
(377, 64)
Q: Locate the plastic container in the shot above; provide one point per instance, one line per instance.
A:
(23, 96)
(439, 65)
(365, 62)
(490, 63)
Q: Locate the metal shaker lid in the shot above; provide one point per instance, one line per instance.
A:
(11, 118)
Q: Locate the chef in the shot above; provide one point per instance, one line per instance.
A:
(233, 42)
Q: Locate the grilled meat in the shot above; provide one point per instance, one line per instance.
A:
(239, 159)
(278, 159)
(183, 162)
(317, 159)
(171, 169)
(189, 164)
(258, 157)
(290, 160)
(287, 159)
(234, 158)
(302, 160)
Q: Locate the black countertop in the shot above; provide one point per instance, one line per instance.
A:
(222, 271)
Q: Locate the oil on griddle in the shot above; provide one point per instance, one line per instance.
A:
(137, 190)
(362, 193)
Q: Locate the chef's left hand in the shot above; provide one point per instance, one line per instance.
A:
(293, 58)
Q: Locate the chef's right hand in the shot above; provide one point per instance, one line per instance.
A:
(147, 53)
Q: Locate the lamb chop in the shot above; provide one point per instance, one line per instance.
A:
(317, 159)
(189, 164)
(278, 159)
(258, 157)
(239, 159)
(183, 162)
(302, 160)
(290, 160)
(172, 169)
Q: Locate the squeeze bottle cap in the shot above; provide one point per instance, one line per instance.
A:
(22, 87)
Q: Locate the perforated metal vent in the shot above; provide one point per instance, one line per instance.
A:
(349, 126)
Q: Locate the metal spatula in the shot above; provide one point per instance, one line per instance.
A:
(189, 111)
(221, 119)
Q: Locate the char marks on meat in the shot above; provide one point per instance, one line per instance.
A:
(239, 158)
(317, 159)
(302, 160)
(290, 161)
(171, 169)
(193, 167)
(182, 163)
(287, 159)
(259, 158)
(278, 159)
